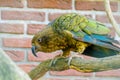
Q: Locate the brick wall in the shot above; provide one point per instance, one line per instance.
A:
(21, 19)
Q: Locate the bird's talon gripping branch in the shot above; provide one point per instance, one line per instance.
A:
(73, 54)
(69, 60)
(53, 61)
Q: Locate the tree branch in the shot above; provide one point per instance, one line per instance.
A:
(82, 65)
(110, 16)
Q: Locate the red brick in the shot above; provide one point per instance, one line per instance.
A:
(11, 28)
(112, 32)
(17, 42)
(11, 3)
(53, 16)
(27, 67)
(59, 4)
(110, 73)
(34, 28)
(117, 18)
(41, 56)
(94, 5)
(69, 72)
(23, 15)
(15, 55)
(104, 18)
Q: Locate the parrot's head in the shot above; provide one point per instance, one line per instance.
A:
(40, 41)
(46, 41)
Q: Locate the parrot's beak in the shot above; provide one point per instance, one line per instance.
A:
(34, 51)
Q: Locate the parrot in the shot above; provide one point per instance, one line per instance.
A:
(77, 33)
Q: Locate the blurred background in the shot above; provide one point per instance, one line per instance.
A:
(21, 19)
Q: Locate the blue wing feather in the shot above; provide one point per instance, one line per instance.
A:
(101, 40)
(96, 39)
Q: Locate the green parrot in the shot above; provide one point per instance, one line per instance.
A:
(74, 32)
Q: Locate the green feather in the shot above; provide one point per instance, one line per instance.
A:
(94, 27)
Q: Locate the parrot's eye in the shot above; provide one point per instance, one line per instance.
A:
(43, 39)
(40, 40)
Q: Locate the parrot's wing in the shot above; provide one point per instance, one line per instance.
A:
(97, 39)
(95, 33)
(101, 45)
(86, 30)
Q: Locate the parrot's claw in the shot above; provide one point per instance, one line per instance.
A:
(53, 61)
(71, 56)
(69, 60)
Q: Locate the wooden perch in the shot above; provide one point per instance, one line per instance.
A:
(82, 65)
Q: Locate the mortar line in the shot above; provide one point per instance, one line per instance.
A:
(14, 48)
(26, 55)
(119, 6)
(94, 15)
(21, 21)
(25, 29)
(0, 15)
(47, 10)
(73, 4)
(7, 35)
(1, 44)
(25, 3)
(46, 18)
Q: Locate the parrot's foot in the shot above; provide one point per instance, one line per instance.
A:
(71, 56)
(53, 61)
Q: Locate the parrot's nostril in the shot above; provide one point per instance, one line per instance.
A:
(34, 50)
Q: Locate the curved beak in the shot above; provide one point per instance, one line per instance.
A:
(34, 51)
